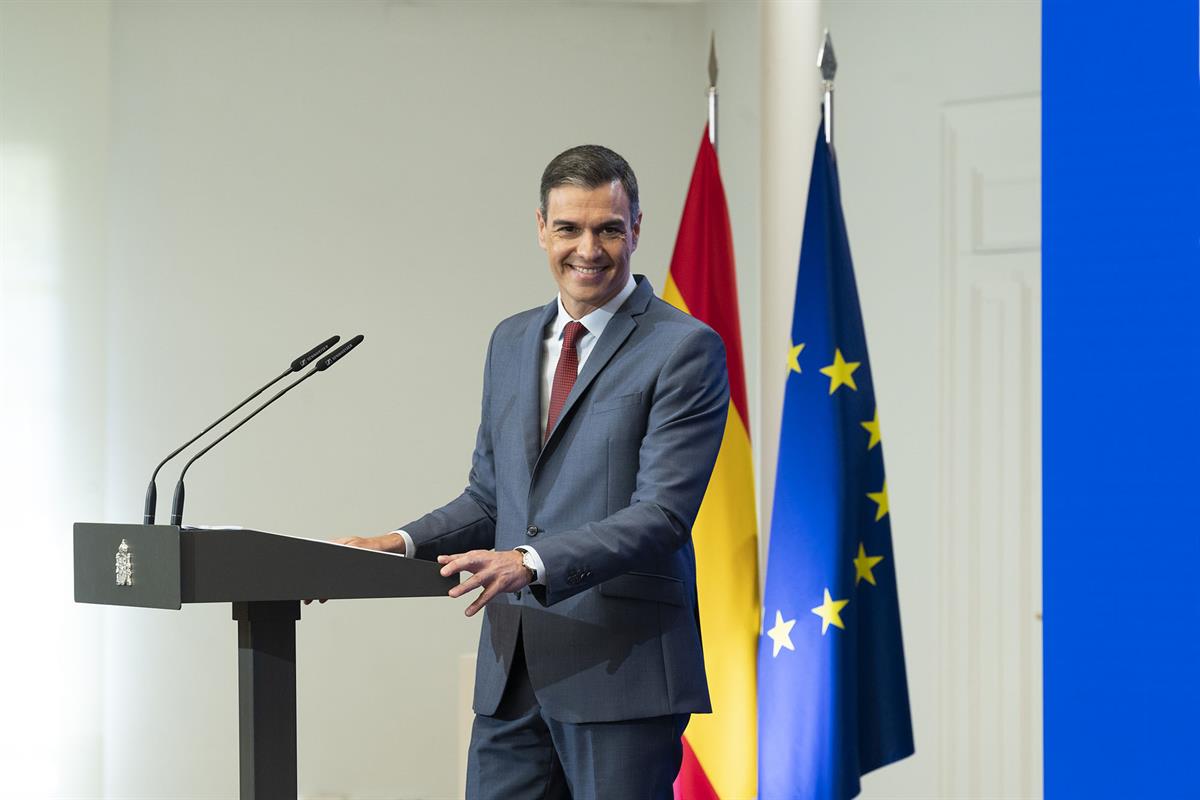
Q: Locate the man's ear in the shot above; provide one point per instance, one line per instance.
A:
(541, 228)
(636, 231)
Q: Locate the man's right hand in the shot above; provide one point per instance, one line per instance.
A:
(388, 543)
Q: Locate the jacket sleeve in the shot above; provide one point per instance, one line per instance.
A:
(468, 522)
(675, 460)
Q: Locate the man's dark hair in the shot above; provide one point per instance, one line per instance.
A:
(588, 166)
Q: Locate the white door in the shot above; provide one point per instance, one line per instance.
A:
(989, 536)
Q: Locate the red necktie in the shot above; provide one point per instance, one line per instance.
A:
(564, 374)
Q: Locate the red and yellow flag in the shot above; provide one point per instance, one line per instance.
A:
(719, 753)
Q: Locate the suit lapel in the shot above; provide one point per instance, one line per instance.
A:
(615, 333)
(529, 392)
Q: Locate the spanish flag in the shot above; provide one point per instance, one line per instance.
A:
(719, 749)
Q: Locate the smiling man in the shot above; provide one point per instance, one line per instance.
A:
(589, 234)
(602, 415)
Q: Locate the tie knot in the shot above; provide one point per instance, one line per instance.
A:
(573, 333)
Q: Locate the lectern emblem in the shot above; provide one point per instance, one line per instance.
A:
(124, 565)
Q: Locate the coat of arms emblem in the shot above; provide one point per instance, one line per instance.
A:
(124, 565)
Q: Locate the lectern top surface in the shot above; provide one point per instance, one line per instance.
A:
(242, 528)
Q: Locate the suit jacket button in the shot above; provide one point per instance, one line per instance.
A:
(532, 530)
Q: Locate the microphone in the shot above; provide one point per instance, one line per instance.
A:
(298, 364)
(321, 366)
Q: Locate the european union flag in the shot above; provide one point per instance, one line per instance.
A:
(832, 691)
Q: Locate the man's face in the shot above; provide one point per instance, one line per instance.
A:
(588, 237)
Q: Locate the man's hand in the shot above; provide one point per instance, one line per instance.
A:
(496, 572)
(389, 543)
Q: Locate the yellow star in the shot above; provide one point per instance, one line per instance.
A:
(873, 428)
(829, 612)
(863, 565)
(880, 497)
(840, 372)
(794, 356)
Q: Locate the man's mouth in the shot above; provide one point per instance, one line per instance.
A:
(587, 270)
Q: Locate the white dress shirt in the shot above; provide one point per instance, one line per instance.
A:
(595, 322)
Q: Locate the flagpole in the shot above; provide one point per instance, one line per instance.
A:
(712, 90)
(827, 62)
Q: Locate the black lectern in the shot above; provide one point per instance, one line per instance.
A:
(264, 576)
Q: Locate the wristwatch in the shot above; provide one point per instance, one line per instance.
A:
(527, 563)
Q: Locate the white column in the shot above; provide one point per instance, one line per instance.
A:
(791, 95)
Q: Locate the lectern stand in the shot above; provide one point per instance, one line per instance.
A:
(264, 576)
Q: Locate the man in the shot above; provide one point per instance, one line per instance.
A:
(602, 415)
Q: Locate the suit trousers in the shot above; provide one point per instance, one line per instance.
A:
(520, 752)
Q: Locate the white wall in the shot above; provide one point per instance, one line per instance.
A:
(54, 117)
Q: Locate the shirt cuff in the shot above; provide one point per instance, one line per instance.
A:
(409, 548)
(535, 561)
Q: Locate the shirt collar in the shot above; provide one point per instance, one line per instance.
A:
(596, 321)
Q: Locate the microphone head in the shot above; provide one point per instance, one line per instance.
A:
(331, 359)
(312, 355)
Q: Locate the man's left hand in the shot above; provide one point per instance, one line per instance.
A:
(496, 572)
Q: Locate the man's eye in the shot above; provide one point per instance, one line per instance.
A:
(612, 233)
(567, 231)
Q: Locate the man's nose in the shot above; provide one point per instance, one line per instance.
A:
(589, 245)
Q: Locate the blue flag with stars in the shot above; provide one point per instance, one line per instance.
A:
(832, 690)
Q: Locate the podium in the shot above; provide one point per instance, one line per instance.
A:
(264, 576)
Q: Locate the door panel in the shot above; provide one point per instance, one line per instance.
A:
(990, 482)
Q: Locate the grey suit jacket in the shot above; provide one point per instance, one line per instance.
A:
(608, 502)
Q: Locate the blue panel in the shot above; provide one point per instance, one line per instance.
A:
(1121, 325)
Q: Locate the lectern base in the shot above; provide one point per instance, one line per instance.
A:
(267, 698)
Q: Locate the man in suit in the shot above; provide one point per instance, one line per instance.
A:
(602, 415)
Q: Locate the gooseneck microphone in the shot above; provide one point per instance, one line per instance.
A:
(298, 364)
(321, 365)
